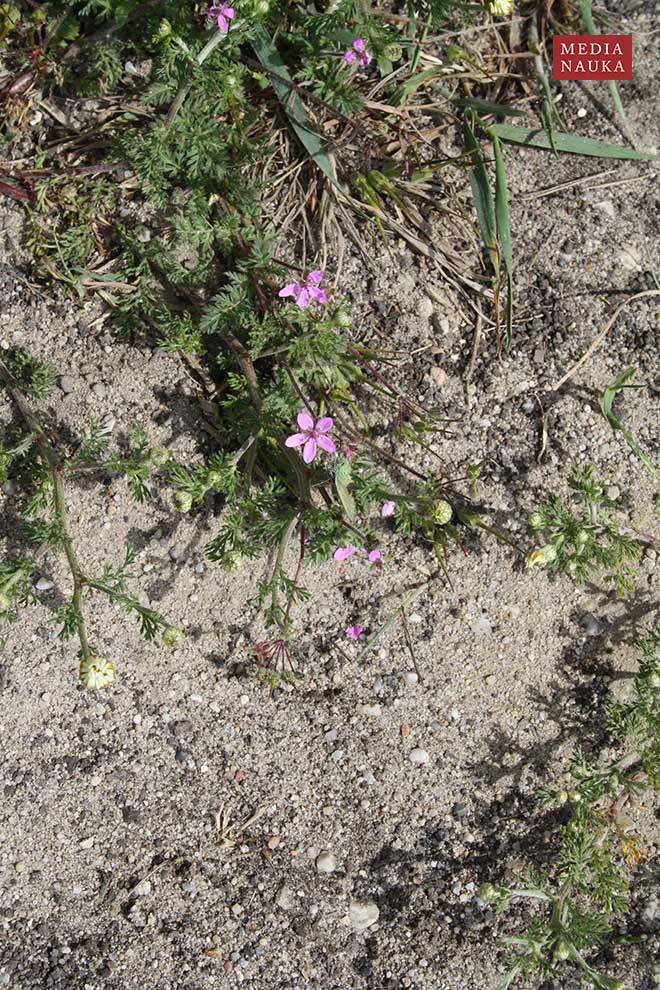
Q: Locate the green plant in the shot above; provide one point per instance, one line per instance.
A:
(583, 539)
(585, 888)
(41, 467)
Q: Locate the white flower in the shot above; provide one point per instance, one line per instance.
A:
(96, 672)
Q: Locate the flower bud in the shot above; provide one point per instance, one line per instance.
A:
(159, 456)
(344, 319)
(231, 561)
(562, 797)
(536, 521)
(575, 796)
(441, 512)
(96, 672)
(654, 679)
(562, 950)
(173, 636)
(182, 501)
(393, 52)
(262, 8)
(487, 893)
(541, 556)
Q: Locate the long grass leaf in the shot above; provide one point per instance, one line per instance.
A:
(570, 143)
(503, 226)
(481, 193)
(487, 106)
(292, 104)
(606, 400)
(590, 28)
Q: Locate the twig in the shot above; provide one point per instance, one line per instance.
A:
(608, 326)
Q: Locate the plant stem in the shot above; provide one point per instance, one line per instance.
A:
(53, 461)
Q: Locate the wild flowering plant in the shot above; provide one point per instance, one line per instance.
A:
(583, 539)
(39, 469)
(575, 902)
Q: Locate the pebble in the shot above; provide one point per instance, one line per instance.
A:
(363, 914)
(591, 625)
(200, 568)
(410, 678)
(44, 584)
(87, 843)
(143, 889)
(419, 757)
(326, 862)
(613, 491)
(173, 553)
(372, 710)
(286, 899)
(67, 384)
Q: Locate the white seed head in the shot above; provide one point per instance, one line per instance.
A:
(96, 672)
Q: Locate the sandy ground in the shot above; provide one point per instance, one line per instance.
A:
(111, 875)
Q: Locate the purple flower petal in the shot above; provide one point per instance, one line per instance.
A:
(222, 24)
(387, 509)
(292, 289)
(318, 295)
(305, 421)
(358, 44)
(349, 56)
(315, 277)
(343, 553)
(229, 12)
(354, 632)
(374, 556)
(326, 444)
(295, 440)
(309, 451)
(324, 424)
(302, 299)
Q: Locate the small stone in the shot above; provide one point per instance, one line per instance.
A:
(326, 862)
(363, 914)
(67, 384)
(200, 568)
(286, 899)
(582, 113)
(173, 553)
(419, 757)
(410, 678)
(44, 584)
(613, 491)
(405, 731)
(86, 843)
(143, 889)
(274, 842)
(459, 811)
(591, 625)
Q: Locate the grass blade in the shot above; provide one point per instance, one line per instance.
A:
(481, 193)
(503, 226)
(569, 143)
(606, 400)
(487, 106)
(269, 57)
(590, 28)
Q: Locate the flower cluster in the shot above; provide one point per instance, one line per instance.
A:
(223, 14)
(358, 53)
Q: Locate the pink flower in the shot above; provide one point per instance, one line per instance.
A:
(343, 553)
(358, 52)
(307, 291)
(374, 557)
(312, 435)
(354, 632)
(350, 450)
(387, 509)
(223, 13)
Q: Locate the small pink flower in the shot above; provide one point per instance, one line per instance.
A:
(306, 292)
(222, 13)
(312, 436)
(374, 557)
(343, 553)
(350, 450)
(354, 632)
(387, 509)
(358, 52)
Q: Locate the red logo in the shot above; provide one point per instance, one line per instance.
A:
(588, 56)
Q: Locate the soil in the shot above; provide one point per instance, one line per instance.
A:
(111, 869)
